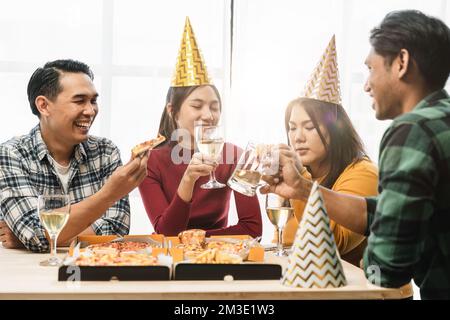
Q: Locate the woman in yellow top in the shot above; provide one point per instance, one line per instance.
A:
(332, 153)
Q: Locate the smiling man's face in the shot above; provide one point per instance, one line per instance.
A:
(73, 111)
(382, 86)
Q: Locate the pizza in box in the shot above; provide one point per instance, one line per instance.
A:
(197, 248)
(121, 253)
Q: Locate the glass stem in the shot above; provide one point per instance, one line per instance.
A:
(280, 240)
(212, 175)
(53, 246)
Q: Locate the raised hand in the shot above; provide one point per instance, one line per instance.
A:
(127, 177)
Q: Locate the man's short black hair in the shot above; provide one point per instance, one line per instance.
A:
(45, 80)
(426, 38)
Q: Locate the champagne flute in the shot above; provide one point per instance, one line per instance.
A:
(279, 211)
(210, 142)
(53, 211)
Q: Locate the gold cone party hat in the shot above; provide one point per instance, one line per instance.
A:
(314, 261)
(324, 82)
(190, 69)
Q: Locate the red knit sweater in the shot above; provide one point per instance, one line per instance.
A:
(208, 209)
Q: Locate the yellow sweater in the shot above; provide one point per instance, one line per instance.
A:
(358, 179)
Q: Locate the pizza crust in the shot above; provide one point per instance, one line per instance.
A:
(143, 147)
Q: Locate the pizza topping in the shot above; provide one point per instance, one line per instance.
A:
(192, 237)
(117, 254)
(234, 248)
(121, 259)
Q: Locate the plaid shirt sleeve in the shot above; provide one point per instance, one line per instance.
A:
(18, 202)
(116, 220)
(371, 203)
(401, 220)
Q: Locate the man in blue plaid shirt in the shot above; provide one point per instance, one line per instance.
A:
(408, 224)
(59, 156)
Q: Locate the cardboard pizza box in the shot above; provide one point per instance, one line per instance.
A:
(120, 273)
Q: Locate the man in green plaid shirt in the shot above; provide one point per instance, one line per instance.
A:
(408, 224)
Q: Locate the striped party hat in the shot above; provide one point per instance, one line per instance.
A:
(314, 261)
(190, 69)
(324, 82)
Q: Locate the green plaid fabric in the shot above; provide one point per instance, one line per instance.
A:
(409, 222)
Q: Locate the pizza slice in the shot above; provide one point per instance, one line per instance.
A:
(192, 237)
(143, 147)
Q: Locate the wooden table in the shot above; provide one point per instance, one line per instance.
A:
(21, 277)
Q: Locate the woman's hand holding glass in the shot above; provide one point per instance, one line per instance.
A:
(200, 165)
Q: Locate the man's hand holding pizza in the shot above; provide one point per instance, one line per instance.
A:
(127, 177)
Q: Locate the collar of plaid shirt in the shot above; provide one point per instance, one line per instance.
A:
(42, 151)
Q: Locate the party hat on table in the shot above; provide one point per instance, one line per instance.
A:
(324, 82)
(314, 261)
(190, 69)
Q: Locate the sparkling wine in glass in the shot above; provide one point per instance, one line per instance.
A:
(257, 162)
(210, 141)
(279, 211)
(53, 212)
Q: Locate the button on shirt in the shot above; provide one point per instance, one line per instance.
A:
(26, 170)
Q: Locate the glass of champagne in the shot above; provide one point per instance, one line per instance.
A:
(256, 162)
(210, 141)
(279, 211)
(53, 212)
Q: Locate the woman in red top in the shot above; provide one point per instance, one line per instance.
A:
(171, 191)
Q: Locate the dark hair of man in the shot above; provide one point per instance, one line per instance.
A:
(345, 146)
(427, 39)
(176, 96)
(45, 81)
